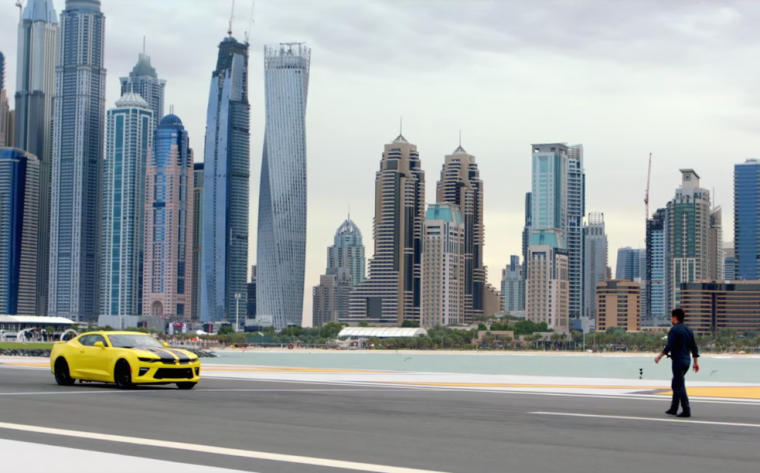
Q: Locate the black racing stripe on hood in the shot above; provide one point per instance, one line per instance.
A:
(178, 354)
(165, 355)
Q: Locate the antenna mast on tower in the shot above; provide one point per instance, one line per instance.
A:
(649, 179)
(250, 23)
(232, 17)
(20, 5)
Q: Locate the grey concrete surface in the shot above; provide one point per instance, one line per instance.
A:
(445, 431)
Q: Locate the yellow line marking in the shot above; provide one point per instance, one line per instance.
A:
(14, 363)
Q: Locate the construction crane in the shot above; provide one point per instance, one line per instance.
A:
(649, 180)
(20, 5)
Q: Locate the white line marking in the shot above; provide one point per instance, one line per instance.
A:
(44, 393)
(276, 457)
(629, 397)
(649, 419)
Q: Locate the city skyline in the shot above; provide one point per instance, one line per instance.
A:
(433, 135)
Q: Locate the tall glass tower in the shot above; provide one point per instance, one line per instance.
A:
(595, 264)
(35, 87)
(746, 226)
(576, 210)
(655, 308)
(345, 269)
(281, 253)
(169, 230)
(144, 81)
(19, 192)
(128, 142)
(225, 187)
(78, 133)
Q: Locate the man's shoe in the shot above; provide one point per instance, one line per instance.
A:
(671, 412)
(684, 414)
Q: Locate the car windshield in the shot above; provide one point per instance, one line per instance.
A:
(131, 341)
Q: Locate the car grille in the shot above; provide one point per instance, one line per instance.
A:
(174, 373)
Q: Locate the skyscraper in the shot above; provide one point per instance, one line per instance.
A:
(197, 239)
(392, 293)
(547, 289)
(19, 191)
(746, 225)
(79, 120)
(128, 142)
(251, 307)
(688, 235)
(526, 242)
(716, 259)
(655, 302)
(730, 261)
(144, 81)
(547, 292)
(628, 264)
(345, 269)
(6, 140)
(576, 210)
(169, 230)
(347, 251)
(596, 257)
(281, 252)
(461, 185)
(512, 288)
(444, 265)
(226, 187)
(35, 87)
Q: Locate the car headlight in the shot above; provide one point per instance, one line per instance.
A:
(149, 360)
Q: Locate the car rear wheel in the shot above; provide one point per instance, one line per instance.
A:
(62, 374)
(186, 385)
(122, 375)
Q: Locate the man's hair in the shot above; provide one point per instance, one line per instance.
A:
(678, 314)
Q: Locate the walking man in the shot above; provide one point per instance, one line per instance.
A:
(681, 348)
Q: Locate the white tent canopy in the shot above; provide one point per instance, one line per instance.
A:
(381, 332)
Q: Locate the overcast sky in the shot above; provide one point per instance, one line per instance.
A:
(624, 78)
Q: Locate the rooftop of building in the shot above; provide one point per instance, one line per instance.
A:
(445, 212)
(170, 121)
(551, 238)
(131, 99)
(40, 10)
(143, 67)
(83, 5)
(348, 227)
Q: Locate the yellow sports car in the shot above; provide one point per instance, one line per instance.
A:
(124, 358)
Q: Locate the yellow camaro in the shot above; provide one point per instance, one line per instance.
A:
(124, 358)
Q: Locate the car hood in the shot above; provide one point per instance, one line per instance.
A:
(168, 354)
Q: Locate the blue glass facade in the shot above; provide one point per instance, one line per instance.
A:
(19, 193)
(78, 145)
(746, 226)
(226, 185)
(130, 136)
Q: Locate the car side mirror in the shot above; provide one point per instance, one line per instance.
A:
(99, 345)
(166, 345)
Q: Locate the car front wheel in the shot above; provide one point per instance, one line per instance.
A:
(186, 385)
(122, 375)
(62, 374)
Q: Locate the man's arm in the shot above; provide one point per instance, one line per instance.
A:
(668, 348)
(694, 352)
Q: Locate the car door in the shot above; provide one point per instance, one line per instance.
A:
(94, 360)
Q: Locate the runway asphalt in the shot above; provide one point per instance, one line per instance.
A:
(259, 426)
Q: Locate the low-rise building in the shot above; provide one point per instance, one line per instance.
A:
(714, 305)
(618, 305)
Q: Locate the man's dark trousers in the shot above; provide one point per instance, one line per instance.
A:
(679, 387)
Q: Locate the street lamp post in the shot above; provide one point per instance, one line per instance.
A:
(237, 310)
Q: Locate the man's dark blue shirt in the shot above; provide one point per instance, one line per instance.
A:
(681, 344)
